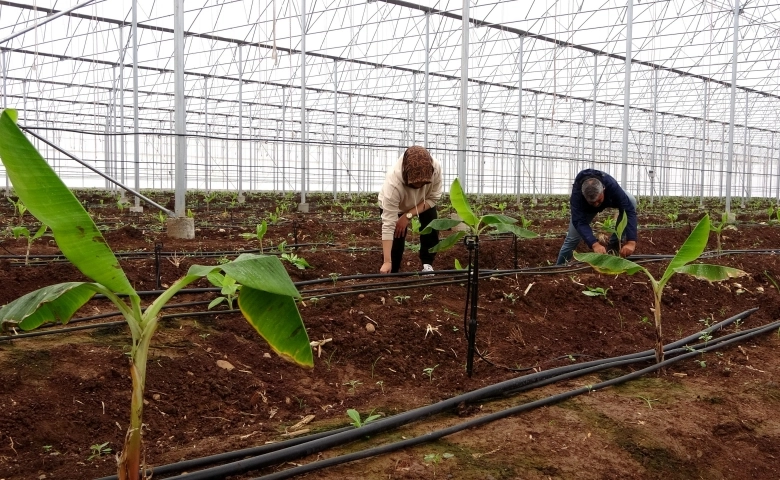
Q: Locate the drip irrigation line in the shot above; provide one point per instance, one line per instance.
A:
(548, 401)
(396, 421)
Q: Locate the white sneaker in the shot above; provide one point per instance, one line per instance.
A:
(427, 267)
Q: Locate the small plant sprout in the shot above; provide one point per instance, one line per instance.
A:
(428, 372)
(597, 292)
(510, 296)
(373, 365)
(23, 232)
(381, 384)
(719, 228)
(267, 298)
(334, 277)
(649, 401)
(357, 421)
(689, 251)
(399, 299)
(476, 225)
(161, 218)
(294, 259)
(427, 296)
(208, 198)
(229, 289)
(353, 384)
(672, 218)
(19, 208)
(702, 363)
(98, 450)
(262, 228)
(458, 266)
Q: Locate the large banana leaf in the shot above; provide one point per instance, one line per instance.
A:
(711, 273)
(509, 228)
(277, 320)
(609, 264)
(440, 224)
(461, 205)
(261, 272)
(494, 219)
(447, 243)
(55, 303)
(690, 250)
(50, 201)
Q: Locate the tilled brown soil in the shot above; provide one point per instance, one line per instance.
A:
(397, 346)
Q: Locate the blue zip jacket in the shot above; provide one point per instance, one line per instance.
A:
(614, 197)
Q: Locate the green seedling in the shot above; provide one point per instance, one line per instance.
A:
(208, 198)
(122, 204)
(458, 266)
(428, 372)
(373, 365)
(334, 277)
(357, 421)
(262, 228)
(267, 297)
(23, 232)
(98, 450)
(511, 297)
(294, 259)
(493, 224)
(500, 206)
(229, 289)
(190, 213)
(353, 384)
(720, 227)
(689, 251)
(672, 218)
(381, 384)
(19, 208)
(399, 299)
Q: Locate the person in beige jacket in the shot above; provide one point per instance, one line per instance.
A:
(411, 189)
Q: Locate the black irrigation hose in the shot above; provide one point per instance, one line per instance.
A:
(227, 456)
(552, 400)
(388, 423)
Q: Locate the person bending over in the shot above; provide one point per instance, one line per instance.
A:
(411, 189)
(592, 192)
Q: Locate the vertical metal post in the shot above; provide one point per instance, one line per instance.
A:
(519, 146)
(733, 104)
(304, 123)
(107, 184)
(464, 91)
(655, 139)
(747, 171)
(593, 114)
(703, 142)
(122, 109)
(536, 126)
(240, 143)
(480, 147)
(335, 126)
(136, 138)
(414, 109)
(627, 91)
(180, 109)
(5, 105)
(427, 76)
(206, 169)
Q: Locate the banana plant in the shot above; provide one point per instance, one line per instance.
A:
(24, 232)
(267, 298)
(689, 251)
(477, 225)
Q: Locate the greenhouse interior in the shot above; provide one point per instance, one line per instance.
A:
(213, 172)
(681, 99)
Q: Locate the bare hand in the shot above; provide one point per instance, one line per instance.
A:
(599, 248)
(386, 267)
(628, 248)
(400, 226)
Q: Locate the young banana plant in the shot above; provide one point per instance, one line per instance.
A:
(477, 225)
(689, 251)
(267, 298)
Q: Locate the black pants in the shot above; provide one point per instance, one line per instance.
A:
(427, 242)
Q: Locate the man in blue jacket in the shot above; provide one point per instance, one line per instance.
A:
(592, 192)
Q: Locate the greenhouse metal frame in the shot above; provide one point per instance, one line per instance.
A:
(673, 98)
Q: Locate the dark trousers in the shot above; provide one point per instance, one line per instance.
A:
(427, 242)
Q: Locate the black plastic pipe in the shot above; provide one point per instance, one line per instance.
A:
(552, 400)
(389, 423)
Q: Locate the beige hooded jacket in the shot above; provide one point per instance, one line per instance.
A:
(396, 198)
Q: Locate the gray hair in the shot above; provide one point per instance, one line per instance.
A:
(591, 189)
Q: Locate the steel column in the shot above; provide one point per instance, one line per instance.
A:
(464, 91)
(627, 91)
(733, 104)
(180, 108)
